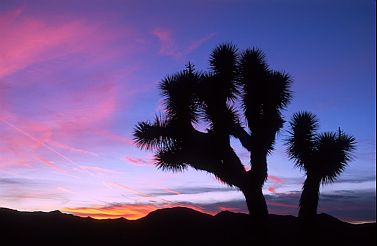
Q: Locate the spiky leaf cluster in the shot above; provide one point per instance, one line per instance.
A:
(265, 93)
(323, 155)
(191, 97)
(302, 137)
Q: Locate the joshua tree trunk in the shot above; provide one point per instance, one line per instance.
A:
(309, 197)
(252, 189)
(256, 203)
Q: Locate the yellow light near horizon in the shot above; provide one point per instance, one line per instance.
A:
(131, 212)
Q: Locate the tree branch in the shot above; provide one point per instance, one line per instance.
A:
(205, 156)
(239, 132)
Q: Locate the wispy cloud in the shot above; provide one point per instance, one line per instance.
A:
(146, 161)
(275, 179)
(30, 194)
(71, 148)
(167, 43)
(170, 191)
(131, 190)
(115, 137)
(18, 181)
(278, 204)
(352, 206)
(193, 190)
(169, 47)
(99, 170)
(32, 39)
(199, 42)
(57, 90)
(35, 143)
(276, 182)
(50, 164)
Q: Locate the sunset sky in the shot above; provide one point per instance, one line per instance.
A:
(76, 76)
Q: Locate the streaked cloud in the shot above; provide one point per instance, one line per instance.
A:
(169, 46)
(50, 164)
(56, 88)
(99, 170)
(145, 161)
(193, 190)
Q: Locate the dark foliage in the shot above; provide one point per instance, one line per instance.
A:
(239, 87)
(323, 156)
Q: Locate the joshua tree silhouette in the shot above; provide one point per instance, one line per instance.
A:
(240, 87)
(323, 157)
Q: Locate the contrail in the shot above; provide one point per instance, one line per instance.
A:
(136, 192)
(39, 142)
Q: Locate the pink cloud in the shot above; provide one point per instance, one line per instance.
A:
(32, 39)
(276, 182)
(199, 42)
(115, 137)
(139, 161)
(86, 107)
(271, 189)
(71, 148)
(50, 164)
(23, 142)
(134, 191)
(15, 138)
(168, 46)
(166, 189)
(222, 208)
(99, 170)
(280, 204)
(23, 138)
(9, 162)
(275, 179)
(71, 108)
(69, 117)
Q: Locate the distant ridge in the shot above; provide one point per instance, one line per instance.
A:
(175, 226)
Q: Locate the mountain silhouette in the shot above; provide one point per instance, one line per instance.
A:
(176, 226)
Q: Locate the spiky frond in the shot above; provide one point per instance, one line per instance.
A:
(253, 76)
(223, 62)
(265, 94)
(333, 152)
(152, 136)
(171, 159)
(180, 98)
(323, 155)
(252, 64)
(302, 138)
(278, 87)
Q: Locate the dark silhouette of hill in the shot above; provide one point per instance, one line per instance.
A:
(177, 226)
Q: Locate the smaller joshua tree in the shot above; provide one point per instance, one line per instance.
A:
(323, 156)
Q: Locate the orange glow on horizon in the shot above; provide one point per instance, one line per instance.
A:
(129, 211)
